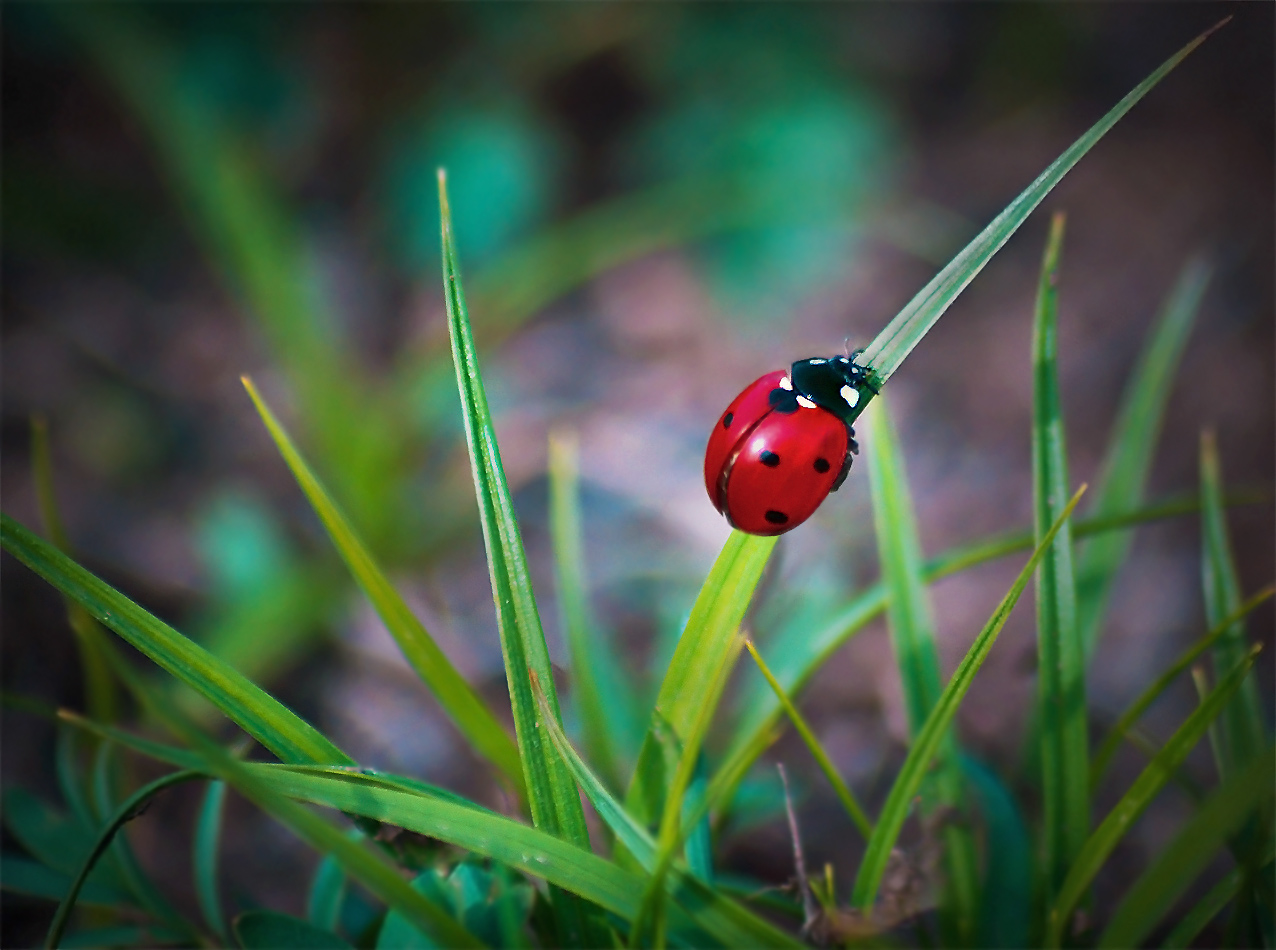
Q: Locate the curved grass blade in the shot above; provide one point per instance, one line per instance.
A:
(1191, 851)
(930, 736)
(1204, 910)
(707, 640)
(912, 631)
(1132, 444)
(719, 916)
(258, 713)
(204, 857)
(1150, 781)
(1242, 733)
(796, 657)
(844, 795)
(888, 350)
(1006, 909)
(327, 894)
(1107, 749)
(603, 695)
(1063, 741)
(467, 710)
(130, 809)
(551, 793)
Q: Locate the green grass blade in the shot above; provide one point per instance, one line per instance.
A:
(719, 916)
(1005, 911)
(931, 736)
(552, 795)
(456, 697)
(1150, 781)
(797, 656)
(326, 895)
(844, 795)
(604, 696)
(1193, 848)
(270, 930)
(912, 631)
(1132, 444)
(130, 809)
(1063, 740)
(706, 642)
(1203, 911)
(258, 713)
(888, 350)
(1242, 733)
(208, 833)
(1107, 749)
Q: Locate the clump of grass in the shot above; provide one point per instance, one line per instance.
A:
(652, 782)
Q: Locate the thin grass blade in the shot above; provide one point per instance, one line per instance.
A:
(1005, 912)
(853, 808)
(552, 795)
(1063, 740)
(912, 631)
(467, 710)
(1132, 444)
(905, 331)
(1150, 781)
(326, 895)
(1203, 911)
(930, 737)
(1193, 848)
(603, 695)
(205, 858)
(258, 713)
(1242, 732)
(1107, 749)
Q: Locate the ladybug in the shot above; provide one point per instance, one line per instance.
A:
(784, 443)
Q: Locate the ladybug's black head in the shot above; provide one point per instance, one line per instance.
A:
(833, 383)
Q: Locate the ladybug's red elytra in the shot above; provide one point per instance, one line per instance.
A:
(784, 444)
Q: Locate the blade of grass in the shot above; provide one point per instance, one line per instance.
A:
(552, 795)
(327, 893)
(1005, 911)
(796, 658)
(205, 860)
(1203, 911)
(1150, 781)
(1132, 444)
(467, 710)
(1063, 740)
(844, 795)
(912, 631)
(1242, 732)
(889, 348)
(1107, 749)
(602, 693)
(130, 809)
(1193, 848)
(258, 713)
(707, 639)
(720, 916)
(100, 698)
(930, 736)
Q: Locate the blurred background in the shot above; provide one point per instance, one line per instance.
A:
(655, 204)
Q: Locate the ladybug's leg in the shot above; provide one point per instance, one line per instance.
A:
(852, 449)
(850, 441)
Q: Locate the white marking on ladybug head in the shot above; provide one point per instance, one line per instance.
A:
(803, 401)
(786, 383)
(851, 395)
(816, 362)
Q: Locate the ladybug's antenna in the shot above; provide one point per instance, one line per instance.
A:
(846, 346)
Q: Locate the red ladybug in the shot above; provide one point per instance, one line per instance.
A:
(784, 443)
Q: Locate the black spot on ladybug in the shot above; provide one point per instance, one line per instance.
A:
(726, 420)
(783, 400)
(769, 459)
(777, 517)
(822, 465)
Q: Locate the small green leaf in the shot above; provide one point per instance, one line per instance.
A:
(1063, 740)
(844, 794)
(205, 858)
(327, 893)
(552, 795)
(1150, 781)
(260, 715)
(1131, 446)
(889, 348)
(269, 930)
(603, 695)
(1191, 851)
(931, 735)
(459, 701)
